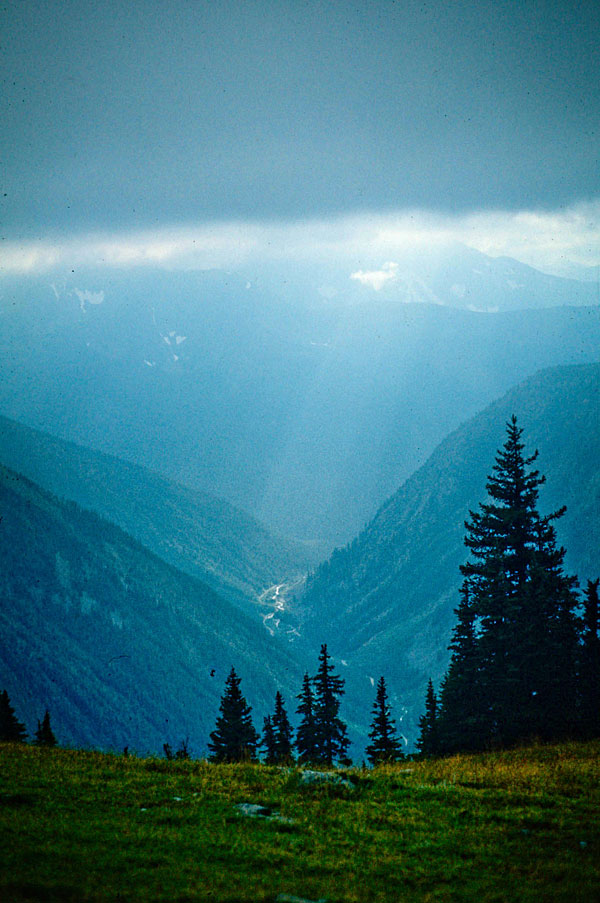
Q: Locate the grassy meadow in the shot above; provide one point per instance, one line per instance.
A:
(522, 825)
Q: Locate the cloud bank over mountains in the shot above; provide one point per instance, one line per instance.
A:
(368, 244)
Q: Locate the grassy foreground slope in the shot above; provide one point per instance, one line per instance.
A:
(81, 826)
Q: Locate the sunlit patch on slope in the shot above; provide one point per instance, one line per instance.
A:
(376, 279)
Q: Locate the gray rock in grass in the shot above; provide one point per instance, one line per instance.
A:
(290, 898)
(309, 778)
(254, 810)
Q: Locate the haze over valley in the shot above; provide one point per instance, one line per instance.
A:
(306, 411)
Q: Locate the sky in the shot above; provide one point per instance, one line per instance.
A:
(197, 132)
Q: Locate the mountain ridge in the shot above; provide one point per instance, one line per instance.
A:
(192, 530)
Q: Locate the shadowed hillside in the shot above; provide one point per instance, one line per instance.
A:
(120, 646)
(193, 530)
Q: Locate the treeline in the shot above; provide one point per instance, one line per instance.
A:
(525, 661)
(321, 737)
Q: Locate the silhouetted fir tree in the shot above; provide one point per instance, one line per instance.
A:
(306, 738)
(428, 744)
(268, 741)
(589, 675)
(11, 729)
(44, 736)
(282, 732)
(523, 610)
(330, 732)
(234, 738)
(385, 745)
(547, 692)
(461, 708)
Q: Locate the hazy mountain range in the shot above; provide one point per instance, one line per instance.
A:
(304, 398)
(212, 415)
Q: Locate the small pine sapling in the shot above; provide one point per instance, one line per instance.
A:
(44, 735)
(385, 745)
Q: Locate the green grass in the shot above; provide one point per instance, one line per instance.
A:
(513, 826)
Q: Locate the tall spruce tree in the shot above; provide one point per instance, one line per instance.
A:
(385, 745)
(460, 712)
(521, 608)
(277, 735)
(11, 729)
(44, 735)
(268, 741)
(306, 737)
(589, 672)
(428, 744)
(234, 738)
(282, 732)
(330, 731)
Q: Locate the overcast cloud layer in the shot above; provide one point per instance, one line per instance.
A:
(124, 118)
(546, 240)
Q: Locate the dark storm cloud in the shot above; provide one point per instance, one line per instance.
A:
(123, 115)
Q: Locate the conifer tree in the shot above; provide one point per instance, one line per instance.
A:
(44, 735)
(268, 741)
(306, 739)
(589, 676)
(460, 712)
(385, 745)
(428, 744)
(234, 738)
(11, 729)
(521, 610)
(330, 732)
(282, 732)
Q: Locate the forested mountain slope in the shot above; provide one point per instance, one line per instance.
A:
(387, 599)
(193, 530)
(122, 648)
